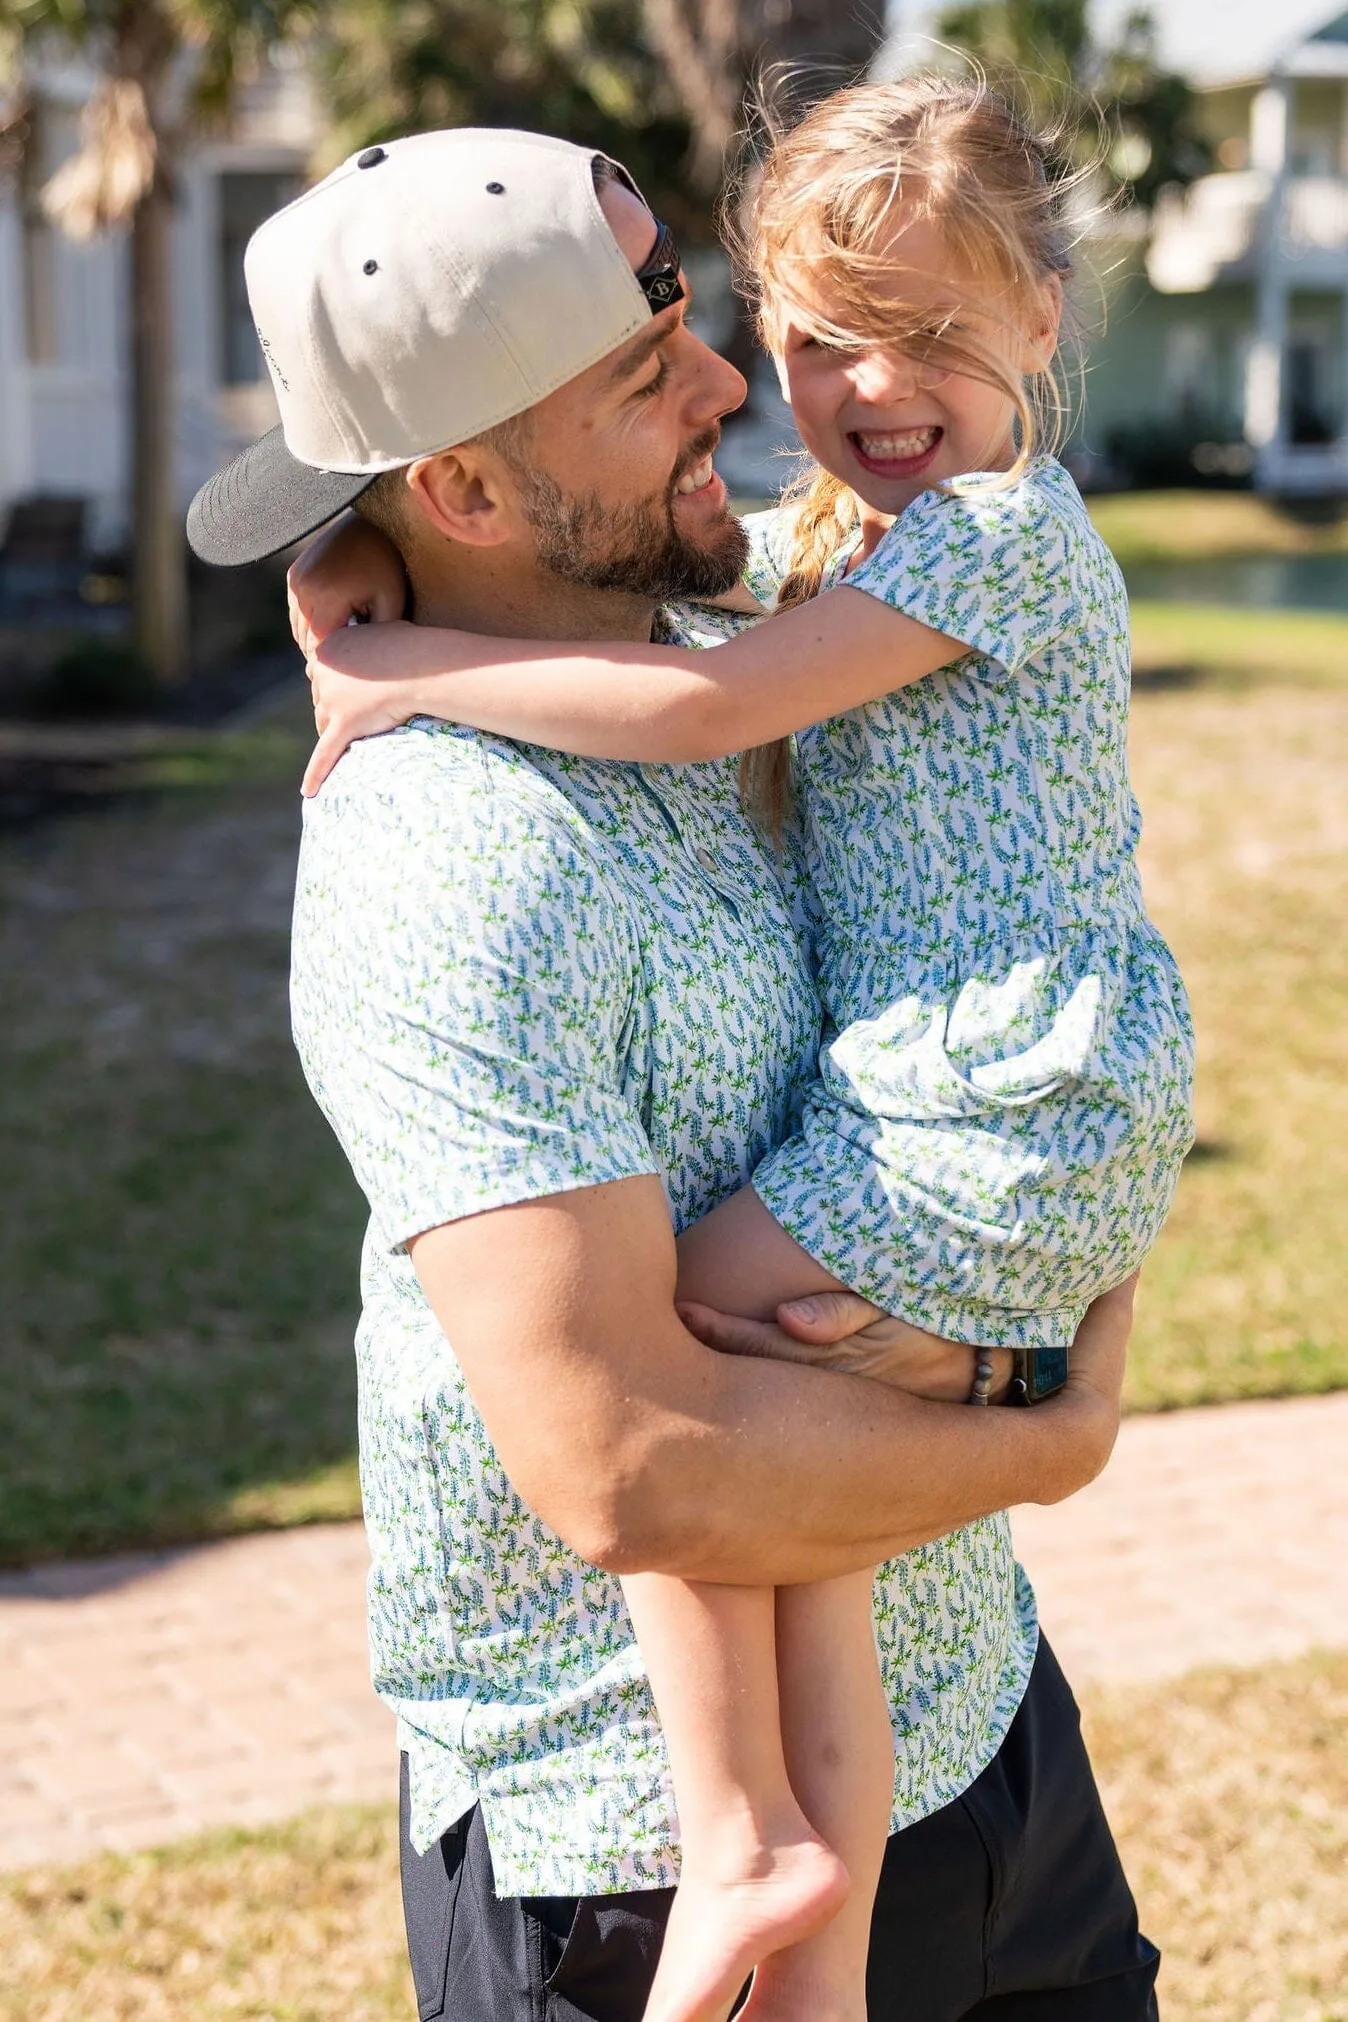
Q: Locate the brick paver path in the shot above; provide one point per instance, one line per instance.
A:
(143, 1697)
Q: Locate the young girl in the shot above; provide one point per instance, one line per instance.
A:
(1004, 1093)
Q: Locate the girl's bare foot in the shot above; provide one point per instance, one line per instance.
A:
(722, 1924)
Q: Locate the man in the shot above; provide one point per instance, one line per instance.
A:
(555, 1009)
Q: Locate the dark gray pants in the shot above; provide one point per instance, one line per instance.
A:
(1008, 1905)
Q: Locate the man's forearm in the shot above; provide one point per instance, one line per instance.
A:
(793, 1474)
(647, 1451)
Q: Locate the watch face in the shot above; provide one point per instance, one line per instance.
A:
(1038, 1373)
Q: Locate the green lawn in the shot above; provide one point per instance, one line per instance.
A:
(1228, 1792)
(179, 1245)
(1245, 856)
(1201, 526)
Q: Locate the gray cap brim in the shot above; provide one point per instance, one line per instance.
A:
(265, 501)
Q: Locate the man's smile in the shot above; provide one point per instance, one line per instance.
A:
(696, 479)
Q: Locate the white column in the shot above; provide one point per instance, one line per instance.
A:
(1271, 126)
(1265, 419)
(16, 441)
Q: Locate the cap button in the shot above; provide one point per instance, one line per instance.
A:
(372, 157)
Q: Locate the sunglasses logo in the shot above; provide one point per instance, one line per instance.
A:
(659, 279)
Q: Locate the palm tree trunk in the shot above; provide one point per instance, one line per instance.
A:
(159, 558)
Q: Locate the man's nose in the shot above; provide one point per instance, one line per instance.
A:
(718, 387)
(884, 378)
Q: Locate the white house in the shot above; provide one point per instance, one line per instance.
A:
(64, 406)
(1230, 317)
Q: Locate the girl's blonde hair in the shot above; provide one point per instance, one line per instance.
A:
(954, 152)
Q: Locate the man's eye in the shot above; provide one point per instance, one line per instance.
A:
(654, 386)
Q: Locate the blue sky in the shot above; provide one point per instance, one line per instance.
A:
(1201, 37)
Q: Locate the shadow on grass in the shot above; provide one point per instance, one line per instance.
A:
(1151, 680)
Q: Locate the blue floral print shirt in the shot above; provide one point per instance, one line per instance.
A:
(515, 973)
(1004, 1096)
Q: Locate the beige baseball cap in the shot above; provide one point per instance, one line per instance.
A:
(421, 293)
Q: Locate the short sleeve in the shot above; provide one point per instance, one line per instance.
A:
(993, 569)
(464, 984)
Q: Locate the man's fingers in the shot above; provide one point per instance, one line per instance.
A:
(827, 1316)
(325, 755)
(730, 1334)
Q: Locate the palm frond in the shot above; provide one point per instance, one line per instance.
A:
(114, 168)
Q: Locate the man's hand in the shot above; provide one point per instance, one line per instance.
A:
(349, 571)
(841, 1331)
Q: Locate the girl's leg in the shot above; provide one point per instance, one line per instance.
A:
(840, 1756)
(755, 1875)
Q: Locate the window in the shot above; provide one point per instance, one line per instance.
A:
(246, 198)
(1189, 372)
(39, 289)
(1310, 420)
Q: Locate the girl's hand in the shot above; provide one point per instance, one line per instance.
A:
(349, 571)
(365, 679)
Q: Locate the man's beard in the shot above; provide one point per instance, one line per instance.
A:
(637, 548)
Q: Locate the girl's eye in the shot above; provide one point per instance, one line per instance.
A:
(829, 347)
(654, 386)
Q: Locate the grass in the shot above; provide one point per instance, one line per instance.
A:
(1202, 526)
(1245, 855)
(1221, 649)
(1228, 1792)
(179, 1245)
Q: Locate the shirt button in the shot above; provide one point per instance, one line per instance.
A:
(705, 858)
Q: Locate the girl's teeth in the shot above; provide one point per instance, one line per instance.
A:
(695, 480)
(897, 448)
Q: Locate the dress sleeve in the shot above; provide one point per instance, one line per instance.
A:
(994, 569)
(463, 990)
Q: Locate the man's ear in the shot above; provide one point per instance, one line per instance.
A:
(465, 496)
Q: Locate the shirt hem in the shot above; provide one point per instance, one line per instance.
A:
(653, 1862)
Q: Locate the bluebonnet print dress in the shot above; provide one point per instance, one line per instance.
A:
(1004, 1097)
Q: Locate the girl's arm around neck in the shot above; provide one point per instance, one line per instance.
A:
(655, 704)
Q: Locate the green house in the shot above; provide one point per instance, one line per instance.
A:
(1227, 318)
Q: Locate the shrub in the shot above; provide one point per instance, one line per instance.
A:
(97, 677)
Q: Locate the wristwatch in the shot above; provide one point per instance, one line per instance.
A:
(1035, 1374)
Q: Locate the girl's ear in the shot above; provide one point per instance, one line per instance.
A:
(1041, 339)
(462, 495)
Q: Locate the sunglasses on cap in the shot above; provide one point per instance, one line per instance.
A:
(658, 275)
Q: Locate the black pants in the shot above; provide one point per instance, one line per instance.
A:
(1008, 1905)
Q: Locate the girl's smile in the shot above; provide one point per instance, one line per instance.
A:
(897, 457)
